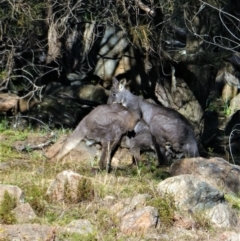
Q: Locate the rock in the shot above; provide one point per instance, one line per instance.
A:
(194, 195)
(139, 221)
(12, 190)
(8, 102)
(67, 187)
(215, 171)
(122, 156)
(112, 51)
(33, 232)
(229, 236)
(81, 226)
(94, 93)
(235, 104)
(24, 213)
(190, 193)
(181, 99)
(222, 216)
(129, 204)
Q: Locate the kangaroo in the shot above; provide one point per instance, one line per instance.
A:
(143, 141)
(166, 125)
(105, 124)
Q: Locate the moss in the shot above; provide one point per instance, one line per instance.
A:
(7, 205)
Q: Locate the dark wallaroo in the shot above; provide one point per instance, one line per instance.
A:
(166, 125)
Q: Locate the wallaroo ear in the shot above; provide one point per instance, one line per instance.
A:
(115, 82)
(122, 84)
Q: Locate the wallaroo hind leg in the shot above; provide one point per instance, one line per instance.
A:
(136, 154)
(190, 150)
(69, 144)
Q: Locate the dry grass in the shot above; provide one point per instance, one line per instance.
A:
(33, 174)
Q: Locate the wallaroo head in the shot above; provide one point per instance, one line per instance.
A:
(118, 92)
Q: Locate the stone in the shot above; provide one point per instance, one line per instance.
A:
(139, 221)
(24, 213)
(189, 192)
(81, 226)
(229, 236)
(15, 191)
(222, 216)
(234, 104)
(129, 204)
(33, 232)
(192, 195)
(65, 187)
(215, 171)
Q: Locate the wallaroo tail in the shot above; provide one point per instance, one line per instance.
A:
(105, 124)
(166, 125)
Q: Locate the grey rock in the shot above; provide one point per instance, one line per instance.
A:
(81, 226)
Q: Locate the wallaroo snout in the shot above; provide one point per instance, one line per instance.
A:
(105, 124)
(166, 125)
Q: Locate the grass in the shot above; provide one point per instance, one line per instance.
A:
(6, 206)
(33, 174)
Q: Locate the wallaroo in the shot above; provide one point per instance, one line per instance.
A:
(106, 124)
(143, 141)
(166, 125)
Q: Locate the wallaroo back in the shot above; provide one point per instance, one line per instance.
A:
(166, 125)
(105, 124)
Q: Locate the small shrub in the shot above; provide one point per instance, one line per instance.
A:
(35, 197)
(201, 221)
(166, 208)
(85, 191)
(7, 205)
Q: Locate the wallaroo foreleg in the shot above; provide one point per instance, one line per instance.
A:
(106, 156)
(160, 151)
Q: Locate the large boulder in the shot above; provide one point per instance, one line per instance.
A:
(215, 171)
(192, 195)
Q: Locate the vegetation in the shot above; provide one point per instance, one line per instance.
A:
(166, 208)
(43, 41)
(6, 206)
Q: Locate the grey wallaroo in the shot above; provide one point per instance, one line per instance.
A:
(166, 125)
(106, 124)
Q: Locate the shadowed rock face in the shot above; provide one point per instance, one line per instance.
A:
(105, 124)
(166, 125)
